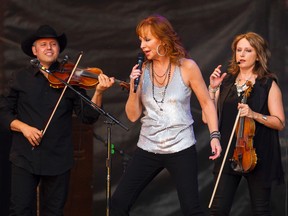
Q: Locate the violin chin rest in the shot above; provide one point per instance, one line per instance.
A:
(236, 166)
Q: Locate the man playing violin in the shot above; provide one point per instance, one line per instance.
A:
(25, 109)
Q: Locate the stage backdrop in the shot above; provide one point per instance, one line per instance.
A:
(105, 32)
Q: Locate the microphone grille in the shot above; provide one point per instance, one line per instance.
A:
(141, 56)
(35, 62)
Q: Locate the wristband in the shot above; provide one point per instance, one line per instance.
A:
(215, 134)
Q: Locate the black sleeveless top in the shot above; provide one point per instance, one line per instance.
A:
(266, 140)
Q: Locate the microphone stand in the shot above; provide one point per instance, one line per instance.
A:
(110, 121)
(125, 157)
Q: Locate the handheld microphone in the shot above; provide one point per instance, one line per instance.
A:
(238, 62)
(140, 60)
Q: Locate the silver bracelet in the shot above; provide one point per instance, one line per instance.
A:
(213, 90)
(264, 117)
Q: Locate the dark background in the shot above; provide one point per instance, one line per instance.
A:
(105, 32)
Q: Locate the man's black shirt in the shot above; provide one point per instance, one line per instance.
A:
(31, 100)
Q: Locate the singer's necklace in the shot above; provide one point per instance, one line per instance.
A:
(168, 71)
(165, 74)
(241, 88)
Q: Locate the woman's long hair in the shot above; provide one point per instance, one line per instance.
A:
(263, 54)
(162, 29)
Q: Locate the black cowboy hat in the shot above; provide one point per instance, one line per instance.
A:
(44, 31)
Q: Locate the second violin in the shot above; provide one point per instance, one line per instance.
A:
(244, 158)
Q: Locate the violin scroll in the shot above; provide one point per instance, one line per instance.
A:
(247, 92)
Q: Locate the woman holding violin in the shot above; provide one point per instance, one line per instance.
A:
(25, 109)
(248, 93)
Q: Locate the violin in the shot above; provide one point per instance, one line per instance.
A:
(244, 157)
(86, 78)
(65, 77)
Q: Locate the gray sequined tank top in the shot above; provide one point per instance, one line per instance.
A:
(168, 130)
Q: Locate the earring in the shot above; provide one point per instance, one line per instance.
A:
(157, 50)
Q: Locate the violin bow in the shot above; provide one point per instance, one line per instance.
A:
(63, 91)
(224, 158)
